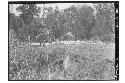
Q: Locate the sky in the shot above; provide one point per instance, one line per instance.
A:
(61, 6)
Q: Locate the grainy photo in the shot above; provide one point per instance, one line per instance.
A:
(63, 41)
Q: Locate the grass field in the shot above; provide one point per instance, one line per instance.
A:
(60, 61)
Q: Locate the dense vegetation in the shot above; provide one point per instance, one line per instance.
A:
(82, 22)
(84, 61)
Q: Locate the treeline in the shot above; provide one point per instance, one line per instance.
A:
(74, 23)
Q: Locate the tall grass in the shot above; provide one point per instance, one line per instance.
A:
(31, 62)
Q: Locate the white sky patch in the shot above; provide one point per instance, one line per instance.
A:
(60, 5)
(12, 8)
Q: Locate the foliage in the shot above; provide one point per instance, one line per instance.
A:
(28, 23)
(105, 20)
(29, 11)
(82, 21)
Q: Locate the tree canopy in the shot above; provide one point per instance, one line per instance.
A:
(82, 21)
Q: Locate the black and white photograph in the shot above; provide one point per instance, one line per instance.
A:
(63, 40)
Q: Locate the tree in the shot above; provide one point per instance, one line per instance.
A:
(86, 19)
(28, 14)
(105, 21)
(52, 22)
(29, 11)
(80, 21)
(15, 23)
